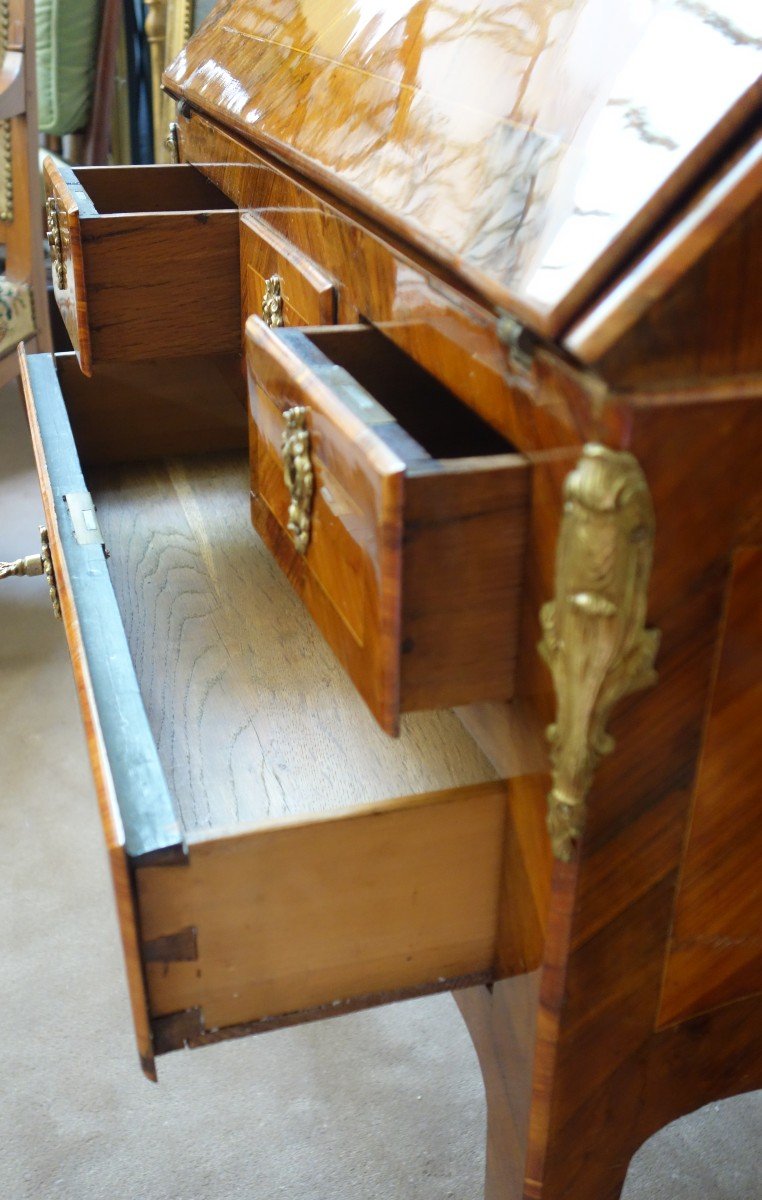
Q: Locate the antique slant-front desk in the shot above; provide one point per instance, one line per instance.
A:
(403, 509)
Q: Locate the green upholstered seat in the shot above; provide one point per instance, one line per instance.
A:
(67, 42)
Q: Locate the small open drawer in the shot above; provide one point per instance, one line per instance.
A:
(396, 513)
(275, 856)
(145, 261)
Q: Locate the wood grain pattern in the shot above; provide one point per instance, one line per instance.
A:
(72, 297)
(716, 949)
(414, 303)
(58, 471)
(137, 249)
(318, 912)
(253, 717)
(600, 1070)
(309, 295)
(350, 575)
(451, 133)
(137, 411)
(459, 526)
(462, 574)
(609, 328)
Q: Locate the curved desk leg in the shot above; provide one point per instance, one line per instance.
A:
(501, 1021)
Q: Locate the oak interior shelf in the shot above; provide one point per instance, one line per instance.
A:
(254, 719)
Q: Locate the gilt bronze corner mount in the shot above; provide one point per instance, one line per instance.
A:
(595, 639)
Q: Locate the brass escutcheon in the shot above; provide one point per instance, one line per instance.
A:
(272, 302)
(299, 475)
(55, 243)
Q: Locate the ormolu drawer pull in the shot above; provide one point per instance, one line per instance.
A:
(298, 474)
(54, 241)
(272, 302)
(36, 564)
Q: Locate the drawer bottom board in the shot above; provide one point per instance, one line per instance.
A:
(253, 717)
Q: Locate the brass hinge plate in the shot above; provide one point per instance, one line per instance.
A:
(519, 341)
(87, 531)
(172, 142)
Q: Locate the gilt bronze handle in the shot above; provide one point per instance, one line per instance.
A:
(272, 302)
(36, 564)
(299, 475)
(55, 243)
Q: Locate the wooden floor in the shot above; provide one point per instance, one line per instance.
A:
(253, 717)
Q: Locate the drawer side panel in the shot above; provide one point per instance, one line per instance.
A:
(95, 631)
(119, 745)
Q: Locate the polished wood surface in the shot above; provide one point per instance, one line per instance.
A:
(388, 900)
(416, 543)
(350, 575)
(716, 951)
(309, 294)
(690, 308)
(527, 146)
(136, 244)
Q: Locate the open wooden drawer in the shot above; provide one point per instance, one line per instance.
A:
(275, 856)
(145, 261)
(398, 515)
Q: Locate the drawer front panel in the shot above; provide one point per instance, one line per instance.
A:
(308, 293)
(349, 573)
(63, 202)
(136, 283)
(344, 543)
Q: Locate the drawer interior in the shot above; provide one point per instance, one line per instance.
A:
(438, 421)
(151, 189)
(253, 717)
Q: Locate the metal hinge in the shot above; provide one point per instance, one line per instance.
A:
(519, 341)
(172, 142)
(87, 531)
